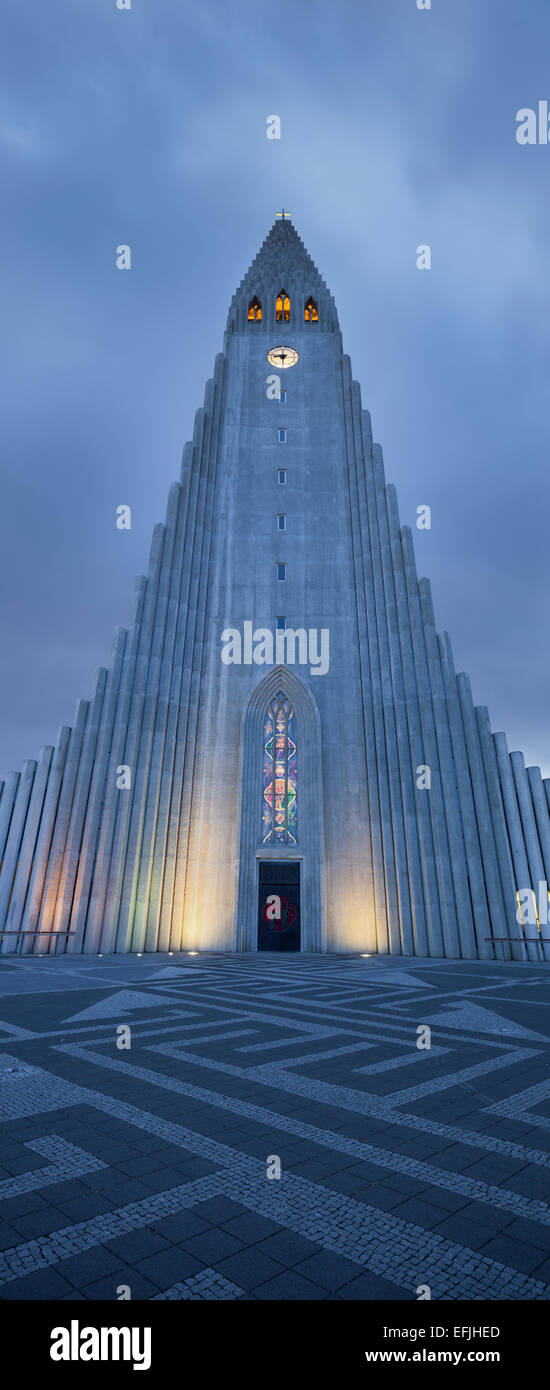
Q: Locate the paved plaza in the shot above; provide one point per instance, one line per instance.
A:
(150, 1170)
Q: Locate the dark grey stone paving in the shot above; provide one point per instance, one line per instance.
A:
(153, 1170)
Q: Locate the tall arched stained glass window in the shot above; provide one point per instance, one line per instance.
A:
(279, 813)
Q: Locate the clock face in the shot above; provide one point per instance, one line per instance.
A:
(282, 356)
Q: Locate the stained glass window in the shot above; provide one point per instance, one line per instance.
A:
(279, 814)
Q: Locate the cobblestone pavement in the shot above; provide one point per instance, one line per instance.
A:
(151, 1171)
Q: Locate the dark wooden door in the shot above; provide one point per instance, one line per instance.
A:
(279, 906)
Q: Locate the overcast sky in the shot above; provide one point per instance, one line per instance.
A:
(147, 127)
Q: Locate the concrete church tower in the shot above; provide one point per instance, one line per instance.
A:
(280, 754)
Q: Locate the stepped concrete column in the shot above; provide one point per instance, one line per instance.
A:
(13, 842)
(417, 817)
(542, 818)
(26, 853)
(115, 931)
(502, 842)
(135, 845)
(158, 912)
(44, 840)
(88, 843)
(6, 810)
(483, 815)
(478, 894)
(90, 917)
(445, 939)
(359, 462)
(411, 908)
(359, 468)
(449, 782)
(515, 834)
(78, 810)
(144, 934)
(386, 881)
(534, 856)
(59, 837)
(175, 869)
(182, 901)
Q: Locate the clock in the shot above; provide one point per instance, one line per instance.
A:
(282, 356)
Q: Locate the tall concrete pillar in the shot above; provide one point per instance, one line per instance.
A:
(67, 877)
(515, 835)
(502, 843)
(90, 919)
(359, 462)
(542, 819)
(417, 816)
(446, 940)
(144, 933)
(86, 861)
(449, 780)
(13, 842)
(59, 837)
(181, 905)
(28, 844)
(384, 736)
(44, 839)
(114, 930)
(493, 887)
(534, 856)
(135, 847)
(6, 809)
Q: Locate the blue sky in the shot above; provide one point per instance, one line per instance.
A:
(147, 127)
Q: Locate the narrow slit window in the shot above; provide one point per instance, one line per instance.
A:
(254, 310)
(282, 436)
(282, 398)
(281, 624)
(281, 477)
(281, 522)
(281, 572)
(311, 312)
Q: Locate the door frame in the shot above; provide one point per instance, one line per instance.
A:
(285, 859)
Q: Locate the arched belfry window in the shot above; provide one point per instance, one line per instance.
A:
(279, 804)
(254, 310)
(311, 312)
(282, 308)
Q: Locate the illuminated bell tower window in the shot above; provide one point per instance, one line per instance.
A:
(254, 310)
(311, 312)
(282, 308)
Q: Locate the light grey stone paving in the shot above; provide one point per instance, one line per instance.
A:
(67, 1161)
(206, 1285)
(397, 1163)
(321, 1104)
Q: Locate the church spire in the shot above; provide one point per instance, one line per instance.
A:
(282, 268)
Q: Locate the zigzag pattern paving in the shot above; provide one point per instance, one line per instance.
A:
(273, 1131)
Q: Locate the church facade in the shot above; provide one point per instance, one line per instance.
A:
(280, 755)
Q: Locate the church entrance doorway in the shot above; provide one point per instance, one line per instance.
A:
(279, 906)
